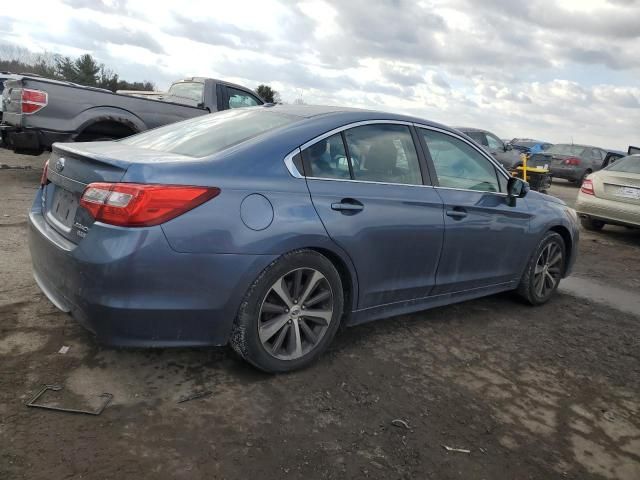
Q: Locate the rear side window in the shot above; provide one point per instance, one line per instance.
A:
(189, 90)
(458, 165)
(383, 153)
(573, 150)
(209, 134)
(327, 158)
(238, 98)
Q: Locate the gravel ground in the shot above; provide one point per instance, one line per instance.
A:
(535, 393)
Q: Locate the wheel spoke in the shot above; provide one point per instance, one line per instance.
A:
(311, 285)
(280, 339)
(539, 281)
(320, 297)
(280, 288)
(549, 277)
(324, 316)
(555, 259)
(270, 328)
(272, 308)
(297, 341)
(297, 283)
(538, 270)
(308, 332)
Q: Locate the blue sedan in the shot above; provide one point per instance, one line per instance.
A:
(268, 227)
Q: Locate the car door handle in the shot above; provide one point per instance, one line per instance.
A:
(457, 213)
(348, 206)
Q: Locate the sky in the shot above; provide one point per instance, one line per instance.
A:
(558, 71)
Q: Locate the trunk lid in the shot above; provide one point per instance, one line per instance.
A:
(74, 166)
(617, 186)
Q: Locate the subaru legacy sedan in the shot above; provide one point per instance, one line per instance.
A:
(269, 227)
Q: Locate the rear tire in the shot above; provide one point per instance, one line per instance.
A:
(290, 313)
(592, 225)
(544, 270)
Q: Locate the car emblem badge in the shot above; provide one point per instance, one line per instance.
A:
(60, 165)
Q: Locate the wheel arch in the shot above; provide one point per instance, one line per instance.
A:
(568, 242)
(347, 275)
(108, 119)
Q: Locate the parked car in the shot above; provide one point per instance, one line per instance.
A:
(612, 195)
(268, 227)
(503, 153)
(529, 146)
(571, 162)
(40, 111)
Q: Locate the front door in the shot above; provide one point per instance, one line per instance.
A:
(482, 232)
(367, 186)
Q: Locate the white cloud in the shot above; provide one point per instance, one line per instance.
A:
(538, 68)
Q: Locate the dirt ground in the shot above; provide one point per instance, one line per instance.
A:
(531, 393)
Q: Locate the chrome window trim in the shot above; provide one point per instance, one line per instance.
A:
(294, 172)
(288, 161)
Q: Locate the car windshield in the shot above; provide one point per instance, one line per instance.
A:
(190, 90)
(630, 164)
(209, 134)
(575, 150)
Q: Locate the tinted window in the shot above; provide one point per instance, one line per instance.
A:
(209, 134)
(574, 150)
(383, 153)
(327, 159)
(494, 142)
(458, 165)
(630, 164)
(190, 90)
(477, 137)
(238, 98)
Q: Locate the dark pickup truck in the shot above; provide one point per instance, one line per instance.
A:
(38, 112)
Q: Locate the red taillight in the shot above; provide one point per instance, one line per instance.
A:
(43, 177)
(33, 100)
(572, 161)
(587, 187)
(141, 205)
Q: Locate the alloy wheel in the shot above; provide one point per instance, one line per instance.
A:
(548, 269)
(295, 314)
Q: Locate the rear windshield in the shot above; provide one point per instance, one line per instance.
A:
(209, 134)
(190, 90)
(575, 150)
(630, 164)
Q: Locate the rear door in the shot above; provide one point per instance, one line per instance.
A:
(370, 189)
(484, 236)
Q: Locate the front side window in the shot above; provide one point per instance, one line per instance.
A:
(494, 142)
(458, 165)
(238, 98)
(327, 158)
(383, 153)
(189, 90)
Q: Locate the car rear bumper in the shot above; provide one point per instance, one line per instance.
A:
(566, 173)
(29, 140)
(609, 211)
(129, 288)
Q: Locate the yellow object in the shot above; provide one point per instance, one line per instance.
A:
(535, 169)
(524, 166)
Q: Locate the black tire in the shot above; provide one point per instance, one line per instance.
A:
(528, 289)
(592, 225)
(245, 336)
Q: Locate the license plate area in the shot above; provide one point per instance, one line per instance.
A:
(64, 207)
(627, 192)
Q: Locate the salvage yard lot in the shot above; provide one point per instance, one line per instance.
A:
(548, 392)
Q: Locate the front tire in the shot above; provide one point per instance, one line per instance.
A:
(544, 270)
(290, 313)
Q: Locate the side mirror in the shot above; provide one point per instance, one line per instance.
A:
(516, 188)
